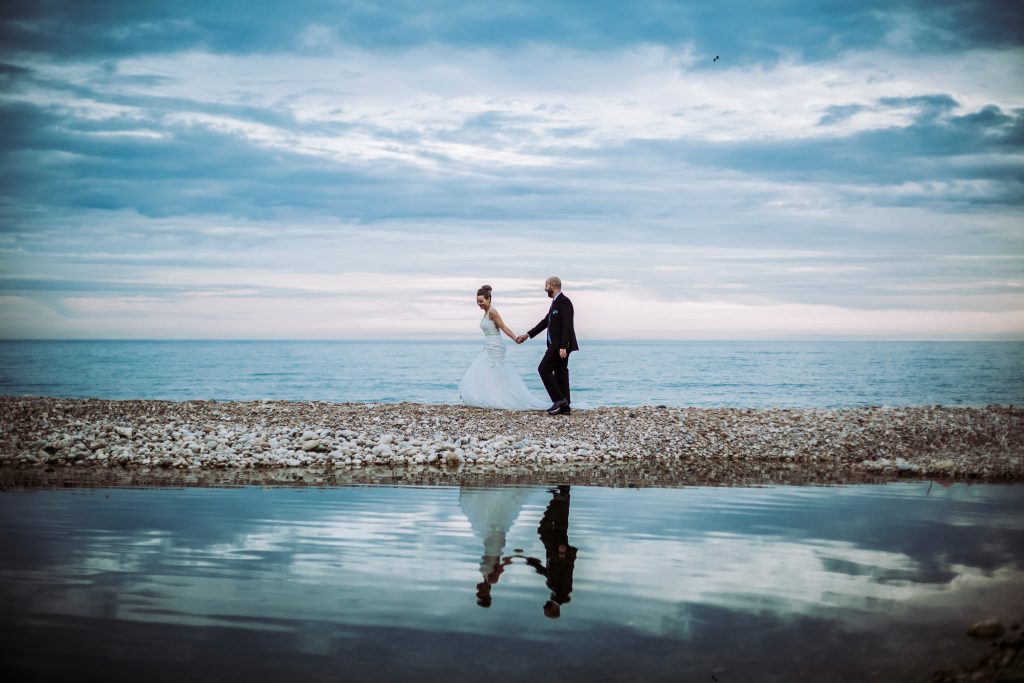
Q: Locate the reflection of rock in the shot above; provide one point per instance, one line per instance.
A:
(990, 628)
(1003, 664)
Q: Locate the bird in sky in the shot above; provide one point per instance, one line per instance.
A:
(715, 59)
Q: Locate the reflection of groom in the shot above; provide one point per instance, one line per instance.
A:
(561, 337)
(561, 557)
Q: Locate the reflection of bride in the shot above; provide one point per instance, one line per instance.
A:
(491, 513)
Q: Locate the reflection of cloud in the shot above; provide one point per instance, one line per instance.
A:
(753, 573)
(648, 560)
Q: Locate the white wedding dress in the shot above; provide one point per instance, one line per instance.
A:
(492, 513)
(490, 382)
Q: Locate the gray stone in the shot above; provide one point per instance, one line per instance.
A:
(990, 628)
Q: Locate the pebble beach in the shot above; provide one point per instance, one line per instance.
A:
(54, 441)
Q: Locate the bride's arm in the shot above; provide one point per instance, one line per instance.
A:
(501, 323)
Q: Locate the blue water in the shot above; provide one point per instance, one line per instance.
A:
(688, 373)
(777, 584)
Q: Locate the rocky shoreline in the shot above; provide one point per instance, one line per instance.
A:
(1004, 662)
(53, 441)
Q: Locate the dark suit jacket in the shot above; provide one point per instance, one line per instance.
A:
(559, 322)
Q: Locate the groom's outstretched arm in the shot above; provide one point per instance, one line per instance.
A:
(540, 327)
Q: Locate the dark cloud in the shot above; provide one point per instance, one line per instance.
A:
(54, 158)
(928, 106)
(152, 107)
(8, 70)
(837, 113)
(935, 147)
(740, 31)
(30, 286)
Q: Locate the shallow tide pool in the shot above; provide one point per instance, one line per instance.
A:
(540, 583)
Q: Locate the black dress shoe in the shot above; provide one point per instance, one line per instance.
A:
(564, 410)
(557, 405)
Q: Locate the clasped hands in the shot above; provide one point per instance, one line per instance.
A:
(562, 353)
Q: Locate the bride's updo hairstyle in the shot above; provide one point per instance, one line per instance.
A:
(485, 292)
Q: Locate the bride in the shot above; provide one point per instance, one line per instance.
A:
(490, 382)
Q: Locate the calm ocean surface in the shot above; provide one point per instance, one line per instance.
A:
(776, 584)
(690, 373)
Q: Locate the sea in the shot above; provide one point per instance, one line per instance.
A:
(750, 374)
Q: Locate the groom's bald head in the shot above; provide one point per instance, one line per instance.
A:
(553, 285)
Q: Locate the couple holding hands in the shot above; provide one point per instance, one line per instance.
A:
(491, 383)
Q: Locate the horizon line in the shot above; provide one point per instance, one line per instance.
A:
(468, 339)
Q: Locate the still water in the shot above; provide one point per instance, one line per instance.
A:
(541, 584)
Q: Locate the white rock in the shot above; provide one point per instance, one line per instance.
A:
(904, 466)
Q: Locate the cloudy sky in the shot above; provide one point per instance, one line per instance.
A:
(196, 169)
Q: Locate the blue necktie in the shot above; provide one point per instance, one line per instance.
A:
(549, 323)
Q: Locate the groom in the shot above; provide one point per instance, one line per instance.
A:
(554, 366)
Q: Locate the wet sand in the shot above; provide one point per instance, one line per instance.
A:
(62, 442)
